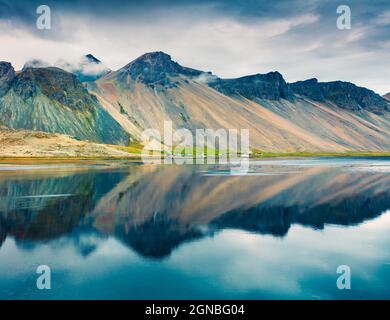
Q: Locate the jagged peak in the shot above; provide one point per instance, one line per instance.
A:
(5, 64)
(56, 84)
(154, 56)
(92, 58)
(153, 68)
(270, 75)
(270, 85)
(310, 81)
(344, 94)
(155, 59)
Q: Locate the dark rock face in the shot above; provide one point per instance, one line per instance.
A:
(262, 86)
(309, 88)
(56, 84)
(7, 75)
(92, 58)
(53, 100)
(344, 94)
(156, 68)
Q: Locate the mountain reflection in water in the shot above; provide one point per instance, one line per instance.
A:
(155, 209)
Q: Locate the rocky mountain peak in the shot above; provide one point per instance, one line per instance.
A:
(344, 94)
(155, 58)
(155, 68)
(92, 58)
(309, 88)
(7, 75)
(259, 86)
(50, 99)
(56, 84)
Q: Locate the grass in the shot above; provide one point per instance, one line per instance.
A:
(264, 154)
(135, 148)
(135, 152)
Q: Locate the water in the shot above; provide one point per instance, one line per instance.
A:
(131, 231)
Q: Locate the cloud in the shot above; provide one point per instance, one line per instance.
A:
(82, 65)
(230, 38)
(36, 63)
(205, 77)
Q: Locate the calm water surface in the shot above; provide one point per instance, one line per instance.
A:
(133, 231)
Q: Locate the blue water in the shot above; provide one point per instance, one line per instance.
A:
(132, 231)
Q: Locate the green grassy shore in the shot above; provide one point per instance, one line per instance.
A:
(137, 156)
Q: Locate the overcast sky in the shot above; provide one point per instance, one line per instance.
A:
(298, 38)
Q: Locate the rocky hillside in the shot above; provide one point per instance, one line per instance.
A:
(53, 100)
(345, 95)
(270, 86)
(154, 68)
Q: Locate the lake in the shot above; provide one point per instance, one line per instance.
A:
(125, 230)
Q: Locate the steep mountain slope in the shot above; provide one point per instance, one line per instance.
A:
(194, 105)
(153, 89)
(53, 100)
(387, 96)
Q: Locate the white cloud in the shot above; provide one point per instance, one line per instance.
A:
(298, 46)
(81, 65)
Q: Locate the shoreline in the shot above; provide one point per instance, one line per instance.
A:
(266, 155)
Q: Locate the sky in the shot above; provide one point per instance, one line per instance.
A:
(231, 38)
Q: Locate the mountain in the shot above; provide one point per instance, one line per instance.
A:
(7, 76)
(345, 95)
(302, 116)
(260, 86)
(53, 100)
(281, 117)
(387, 96)
(154, 68)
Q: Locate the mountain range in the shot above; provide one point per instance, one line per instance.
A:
(116, 106)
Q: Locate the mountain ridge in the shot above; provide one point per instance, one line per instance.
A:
(152, 68)
(278, 119)
(53, 100)
(263, 86)
(282, 117)
(343, 94)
